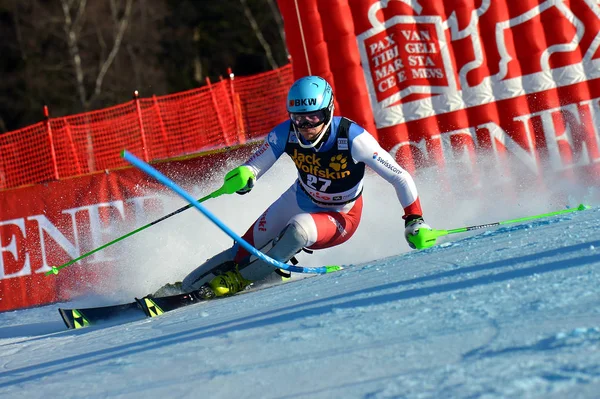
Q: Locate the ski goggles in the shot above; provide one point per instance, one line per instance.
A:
(308, 119)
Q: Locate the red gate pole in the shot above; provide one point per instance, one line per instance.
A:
(217, 111)
(239, 126)
(163, 131)
(51, 140)
(136, 100)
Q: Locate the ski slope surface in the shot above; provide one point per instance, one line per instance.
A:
(512, 312)
(509, 312)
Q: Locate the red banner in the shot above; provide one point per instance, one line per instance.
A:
(48, 225)
(451, 80)
(518, 76)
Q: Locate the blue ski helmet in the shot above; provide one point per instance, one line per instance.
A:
(310, 102)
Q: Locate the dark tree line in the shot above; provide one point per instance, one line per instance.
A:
(82, 55)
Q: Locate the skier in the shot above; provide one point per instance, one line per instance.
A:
(323, 206)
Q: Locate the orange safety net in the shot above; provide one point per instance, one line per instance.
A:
(229, 112)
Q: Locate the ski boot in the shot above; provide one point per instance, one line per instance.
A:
(228, 283)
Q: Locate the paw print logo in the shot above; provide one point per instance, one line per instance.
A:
(338, 163)
(273, 138)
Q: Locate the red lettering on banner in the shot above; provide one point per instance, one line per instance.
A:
(567, 137)
(569, 132)
(406, 58)
(17, 256)
(12, 233)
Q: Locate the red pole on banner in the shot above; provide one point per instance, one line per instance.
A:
(345, 64)
(136, 100)
(304, 39)
(51, 140)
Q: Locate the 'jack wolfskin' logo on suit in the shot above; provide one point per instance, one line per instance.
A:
(311, 164)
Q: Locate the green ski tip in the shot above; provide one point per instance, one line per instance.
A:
(583, 207)
(333, 268)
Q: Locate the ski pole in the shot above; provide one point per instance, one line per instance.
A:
(143, 166)
(234, 181)
(426, 238)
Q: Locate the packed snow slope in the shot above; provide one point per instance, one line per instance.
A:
(510, 312)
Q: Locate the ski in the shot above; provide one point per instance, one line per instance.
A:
(84, 317)
(155, 306)
(150, 306)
